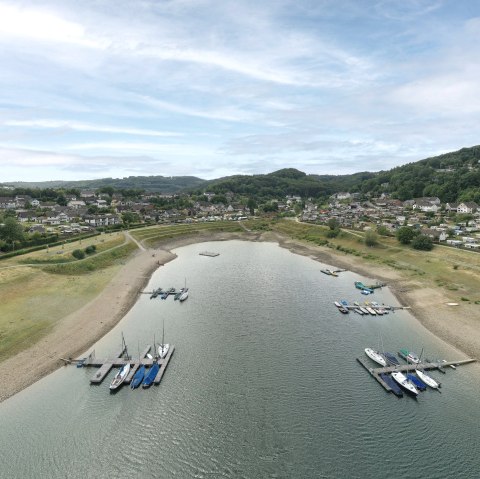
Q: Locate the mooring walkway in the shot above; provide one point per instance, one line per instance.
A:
(378, 372)
(105, 365)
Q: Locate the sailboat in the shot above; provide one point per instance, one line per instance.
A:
(139, 375)
(429, 381)
(405, 383)
(375, 356)
(163, 348)
(184, 294)
(123, 373)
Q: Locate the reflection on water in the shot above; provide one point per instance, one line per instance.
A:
(263, 383)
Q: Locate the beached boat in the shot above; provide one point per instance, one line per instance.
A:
(365, 292)
(405, 383)
(138, 377)
(409, 356)
(429, 381)
(375, 356)
(360, 285)
(151, 375)
(120, 377)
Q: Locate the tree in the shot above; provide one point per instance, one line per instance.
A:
(383, 230)
(333, 223)
(405, 234)
(11, 230)
(371, 238)
(422, 242)
(78, 254)
(251, 205)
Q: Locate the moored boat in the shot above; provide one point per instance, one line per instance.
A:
(178, 294)
(138, 377)
(429, 381)
(419, 384)
(375, 356)
(120, 377)
(405, 383)
(151, 375)
(409, 356)
(343, 310)
(184, 295)
(337, 304)
(391, 358)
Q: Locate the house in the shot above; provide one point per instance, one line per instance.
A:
(24, 216)
(76, 204)
(467, 207)
(451, 207)
(7, 202)
(436, 235)
(425, 206)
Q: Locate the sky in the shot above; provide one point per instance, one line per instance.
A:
(210, 88)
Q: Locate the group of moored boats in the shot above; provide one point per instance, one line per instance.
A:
(142, 376)
(372, 308)
(412, 383)
(332, 272)
(180, 295)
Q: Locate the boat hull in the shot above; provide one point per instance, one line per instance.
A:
(375, 356)
(405, 383)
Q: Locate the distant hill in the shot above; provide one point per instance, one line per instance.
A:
(452, 177)
(164, 184)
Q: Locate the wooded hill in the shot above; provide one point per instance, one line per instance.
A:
(452, 177)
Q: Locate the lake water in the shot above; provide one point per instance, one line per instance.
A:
(263, 384)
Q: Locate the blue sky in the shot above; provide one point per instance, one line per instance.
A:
(108, 88)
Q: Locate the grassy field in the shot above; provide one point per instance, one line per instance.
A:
(454, 270)
(35, 297)
(155, 234)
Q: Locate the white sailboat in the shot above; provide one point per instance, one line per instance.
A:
(375, 356)
(429, 381)
(120, 377)
(184, 294)
(405, 383)
(163, 348)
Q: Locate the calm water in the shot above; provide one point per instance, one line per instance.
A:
(263, 383)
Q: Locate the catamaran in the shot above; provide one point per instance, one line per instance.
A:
(375, 356)
(405, 383)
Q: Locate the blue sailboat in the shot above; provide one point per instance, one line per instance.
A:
(151, 375)
(138, 377)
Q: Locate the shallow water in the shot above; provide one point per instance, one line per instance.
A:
(263, 383)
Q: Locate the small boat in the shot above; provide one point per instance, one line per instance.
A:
(178, 294)
(184, 295)
(429, 381)
(334, 273)
(163, 347)
(343, 310)
(337, 304)
(364, 310)
(164, 294)
(375, 356)
(365, 292)
(344, 302)
(359, 311)
(120, 377)
(138, 377)
(326, 271)
(420, 385)
(405, 383)
(391, 358)
(396, 389)
(151, 375)
(409, 356)
(371, 310)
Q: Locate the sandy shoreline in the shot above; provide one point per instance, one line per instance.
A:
(77, 332)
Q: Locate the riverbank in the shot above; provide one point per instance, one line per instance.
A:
(78, 331)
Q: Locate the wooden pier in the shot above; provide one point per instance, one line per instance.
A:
(106, 365)
(376, 371)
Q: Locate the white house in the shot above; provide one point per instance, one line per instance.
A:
(467, 207)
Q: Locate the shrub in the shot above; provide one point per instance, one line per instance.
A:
(371, 238)
(78, 254)
(422, 242)
(90, 249)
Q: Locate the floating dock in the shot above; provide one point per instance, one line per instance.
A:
(209, 253)
(381, 375)
(106, 365)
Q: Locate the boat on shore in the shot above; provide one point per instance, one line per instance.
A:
(405, 383)
(151, 375)
(375, 356)
(120, 377)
